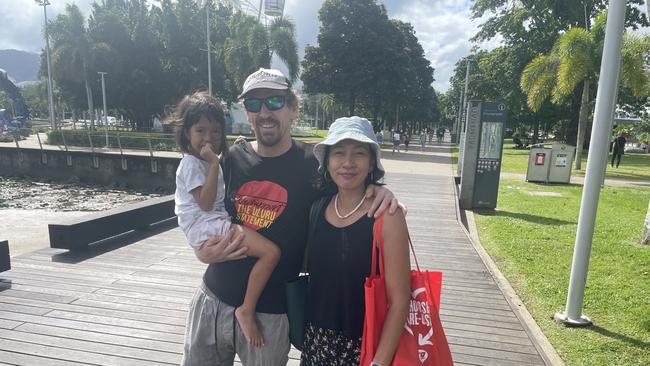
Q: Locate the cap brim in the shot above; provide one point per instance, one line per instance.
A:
(263, 85)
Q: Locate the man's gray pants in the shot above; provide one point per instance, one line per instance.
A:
(213, 335)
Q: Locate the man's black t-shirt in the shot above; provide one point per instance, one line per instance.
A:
(272, 196)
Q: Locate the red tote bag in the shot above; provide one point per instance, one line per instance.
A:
(423, 340)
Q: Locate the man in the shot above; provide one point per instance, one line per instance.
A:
(270, 186)
(618, 149)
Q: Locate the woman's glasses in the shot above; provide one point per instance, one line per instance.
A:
(272, 103)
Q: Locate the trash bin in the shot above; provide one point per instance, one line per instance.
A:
(561, 161)
(539, 161)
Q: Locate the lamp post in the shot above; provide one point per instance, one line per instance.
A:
(609, 66)
(50, 100)
(207, 29)
(105, 116)
(464, 105)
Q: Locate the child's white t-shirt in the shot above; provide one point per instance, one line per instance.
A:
(191, 173)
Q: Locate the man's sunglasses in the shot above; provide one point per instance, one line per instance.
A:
(272, 103)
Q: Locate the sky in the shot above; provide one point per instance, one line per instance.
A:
(443, 27)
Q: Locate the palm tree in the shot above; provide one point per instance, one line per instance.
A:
(249, 46)
(327, 103)
(575, 59)
(71, 53)
(282, 41)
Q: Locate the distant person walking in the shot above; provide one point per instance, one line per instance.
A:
(440, 134)
(423, 140)
(396, 141)
(407, 140)
(618, 149)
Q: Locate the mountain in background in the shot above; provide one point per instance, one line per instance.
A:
(20, 65)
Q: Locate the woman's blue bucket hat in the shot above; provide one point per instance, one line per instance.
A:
(349, 128)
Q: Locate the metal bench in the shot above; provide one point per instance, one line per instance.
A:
(78, 233)
(5, 262)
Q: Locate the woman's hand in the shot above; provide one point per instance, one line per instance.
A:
(221, 249)
(383, 198)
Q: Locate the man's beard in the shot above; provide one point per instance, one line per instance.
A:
(268, 140)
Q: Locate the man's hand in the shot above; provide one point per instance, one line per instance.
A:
(383, 199)
(221, 249)
(241, 139)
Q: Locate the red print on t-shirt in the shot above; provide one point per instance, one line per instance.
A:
(259, 203)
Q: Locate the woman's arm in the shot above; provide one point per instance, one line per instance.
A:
(398, 285)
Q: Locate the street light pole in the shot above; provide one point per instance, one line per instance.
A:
(610, 63)
(50, 99)
(105, 117)
(465, 94)
(207, 27)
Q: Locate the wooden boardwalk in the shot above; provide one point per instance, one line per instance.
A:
(124, 303)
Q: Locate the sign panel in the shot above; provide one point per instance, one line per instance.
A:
(488, 168)
(470, 154)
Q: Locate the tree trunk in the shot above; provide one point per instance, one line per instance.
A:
(583, 119)
(351, 102)
(646, 228)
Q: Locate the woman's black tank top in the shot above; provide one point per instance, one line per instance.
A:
(339, 262)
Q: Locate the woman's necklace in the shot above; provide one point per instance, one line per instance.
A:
(336, 207)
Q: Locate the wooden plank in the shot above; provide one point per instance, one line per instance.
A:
(486, 344)
(9, 324)
(116, 321)
(153, 304)
(72, 355)
(99, 351)
(139, 343)
(86, 307)
(37, 296)
(96, 327)
(22, 359)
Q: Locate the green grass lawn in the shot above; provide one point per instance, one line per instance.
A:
(633, 166)
(531, 239)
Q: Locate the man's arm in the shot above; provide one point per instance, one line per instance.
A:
(383, 199)
(221, 249)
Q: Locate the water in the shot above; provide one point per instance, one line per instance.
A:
(26, 208)
(16, 193)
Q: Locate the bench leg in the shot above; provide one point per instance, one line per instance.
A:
(5, 260)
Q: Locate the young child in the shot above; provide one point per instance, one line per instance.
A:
(200, 190)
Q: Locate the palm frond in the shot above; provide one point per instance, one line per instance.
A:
(635, 51)
(575, 53)
(283, 43)
(538, 80)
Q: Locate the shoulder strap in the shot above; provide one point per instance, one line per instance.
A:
(314, 212)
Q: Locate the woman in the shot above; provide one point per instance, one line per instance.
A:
(339, 255)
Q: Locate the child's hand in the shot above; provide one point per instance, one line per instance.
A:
(208, 154)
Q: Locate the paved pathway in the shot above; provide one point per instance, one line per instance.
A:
(125, 302)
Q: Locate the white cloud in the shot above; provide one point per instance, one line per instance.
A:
(22, 22)
(444, 29)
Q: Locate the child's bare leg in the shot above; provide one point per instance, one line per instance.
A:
(268, 255)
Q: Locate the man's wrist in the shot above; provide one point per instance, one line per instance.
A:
(375, 363)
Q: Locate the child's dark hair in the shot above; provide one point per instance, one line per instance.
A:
(189, 112)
